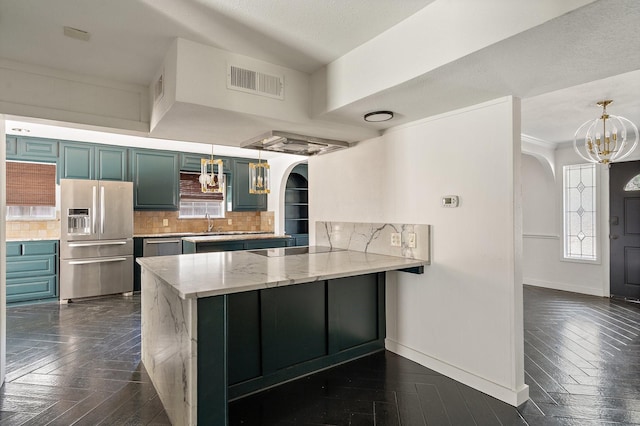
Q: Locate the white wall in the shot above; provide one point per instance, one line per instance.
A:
(463, 316)
(539, 212)
(39, 92)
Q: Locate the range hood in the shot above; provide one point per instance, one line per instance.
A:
(291, 143)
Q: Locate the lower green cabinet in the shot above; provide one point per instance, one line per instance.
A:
(276, 334)
(189, 247)
(32, 271)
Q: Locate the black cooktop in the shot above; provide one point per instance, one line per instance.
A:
(292, 251)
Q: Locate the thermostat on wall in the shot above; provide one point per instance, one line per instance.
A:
(450, 201)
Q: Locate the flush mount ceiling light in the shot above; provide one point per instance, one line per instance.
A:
(377, 116)
(259, 174)
(605, 140)
(210, 179)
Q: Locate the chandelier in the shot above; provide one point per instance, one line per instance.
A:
(210, 179)
(259, 174)
(605, 139)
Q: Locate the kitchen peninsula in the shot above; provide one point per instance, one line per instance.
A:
(218, 326)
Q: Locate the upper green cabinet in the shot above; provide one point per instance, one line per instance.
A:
(76, 161)
(111, 163)
(90, 161)
(242, 200)
(12, 146)
(32, 149)
(191, 162)
(156, 179)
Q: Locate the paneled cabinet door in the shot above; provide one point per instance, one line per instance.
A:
(156, 179)
(76, 161)
(111, 163)
(242, 200)
(33, 149)
(12, 146)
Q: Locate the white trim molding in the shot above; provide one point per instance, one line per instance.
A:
(510, 396)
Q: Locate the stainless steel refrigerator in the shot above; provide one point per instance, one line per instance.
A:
(96, 241)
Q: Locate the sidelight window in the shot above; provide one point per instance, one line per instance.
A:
(580, 227)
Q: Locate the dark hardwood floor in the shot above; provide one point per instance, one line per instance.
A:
(80, 364)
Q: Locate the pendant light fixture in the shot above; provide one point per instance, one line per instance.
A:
(606, 139)
(210, 179)
(259, 174)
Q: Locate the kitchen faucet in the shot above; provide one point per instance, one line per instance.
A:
(209, 222)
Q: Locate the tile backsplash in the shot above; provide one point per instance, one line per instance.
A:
(33, 229)
(151, 222)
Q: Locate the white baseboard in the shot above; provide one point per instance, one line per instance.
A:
(565, 287)
(511, 397)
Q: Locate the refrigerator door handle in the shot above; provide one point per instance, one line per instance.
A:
(88, 262)
(102, 213)
(106, 243)
(93, 211)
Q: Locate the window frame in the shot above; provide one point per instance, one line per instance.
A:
(597, 245)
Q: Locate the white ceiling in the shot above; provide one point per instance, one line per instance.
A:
(560, 69)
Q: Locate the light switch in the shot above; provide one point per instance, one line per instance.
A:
(165, 222)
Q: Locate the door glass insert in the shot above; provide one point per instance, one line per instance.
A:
(580, 212)
(633, 184)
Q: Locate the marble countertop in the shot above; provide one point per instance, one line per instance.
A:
(194, 234)
(231, 237)
(212, 274)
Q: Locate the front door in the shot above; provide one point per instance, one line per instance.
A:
(624, 207)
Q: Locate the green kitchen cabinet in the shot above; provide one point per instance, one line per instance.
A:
(32, 271)
(242, 200)
(32, 149)
(156, 179)
(12, 146)
(111, 163)
(190, 162)
(76, 161)
(190, 247)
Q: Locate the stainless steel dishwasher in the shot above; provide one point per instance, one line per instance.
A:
(161, 246)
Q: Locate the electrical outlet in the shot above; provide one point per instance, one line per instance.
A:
(411, 240)
(396, 239)
(165, 222)
(229, 221)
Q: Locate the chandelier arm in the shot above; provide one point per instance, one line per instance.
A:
(635, 142)
(575, 143)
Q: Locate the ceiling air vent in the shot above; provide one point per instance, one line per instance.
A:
(255, 82)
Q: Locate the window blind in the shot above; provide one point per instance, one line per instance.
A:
(190, 189)
(31, 184)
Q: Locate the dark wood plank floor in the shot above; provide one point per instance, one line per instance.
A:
(80, 364)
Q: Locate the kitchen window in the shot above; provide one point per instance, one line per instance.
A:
(31, 191)
(195, 204)
(580, 225)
